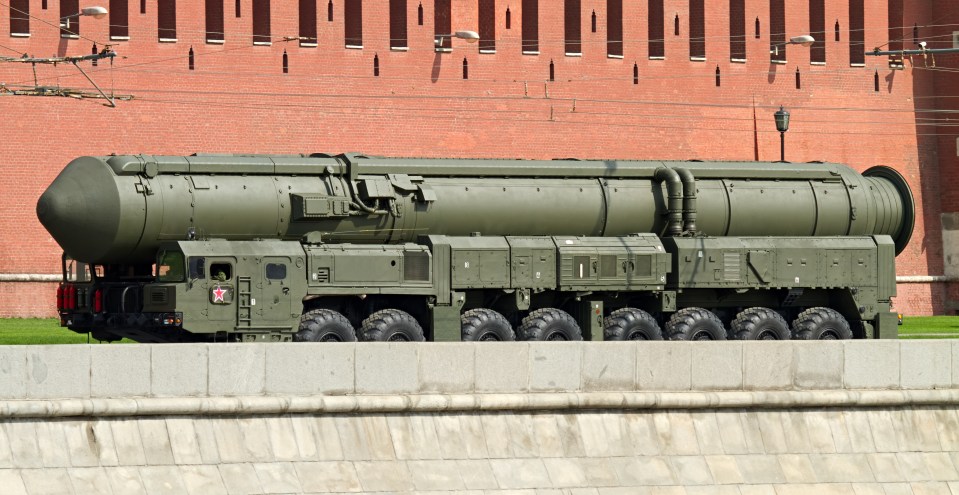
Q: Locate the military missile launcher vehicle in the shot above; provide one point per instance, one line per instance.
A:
(346, 247)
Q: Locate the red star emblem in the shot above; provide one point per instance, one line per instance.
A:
(218, 294)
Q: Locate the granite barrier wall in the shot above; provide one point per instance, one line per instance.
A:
(530, 418)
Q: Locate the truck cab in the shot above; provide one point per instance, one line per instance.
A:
(197, 290)
(224, 287)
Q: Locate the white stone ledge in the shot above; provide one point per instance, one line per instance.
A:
(147, 371)
(29, 277)
(434, 403)
(924, 279)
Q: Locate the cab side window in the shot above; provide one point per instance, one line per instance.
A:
(275, 271)
(197, 268)
(169, 267)
(221, 271)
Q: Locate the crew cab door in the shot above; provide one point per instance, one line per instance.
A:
(263, 294)
(275, 306)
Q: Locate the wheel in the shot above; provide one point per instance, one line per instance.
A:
(485, 324)
(760, 324)
(391, 325)
(695, 324)
(631, 324)
(821, 324)
(324, 325)
(549, 324)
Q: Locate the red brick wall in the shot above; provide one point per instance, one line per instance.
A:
(945, 82)
(238, 100)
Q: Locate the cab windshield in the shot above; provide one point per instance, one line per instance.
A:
(170, 267)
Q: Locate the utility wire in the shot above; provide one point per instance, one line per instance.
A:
(546, 120)
(812, 70)
(214, 52)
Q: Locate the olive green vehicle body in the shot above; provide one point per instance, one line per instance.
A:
(235, 248)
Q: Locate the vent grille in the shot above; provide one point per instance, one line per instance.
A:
(416, 266)
(323, 275)
(607, 266)
(159, 296)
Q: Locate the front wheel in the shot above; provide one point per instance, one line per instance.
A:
(324, 325)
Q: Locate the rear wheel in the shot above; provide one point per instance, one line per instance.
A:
(760, 324)
(695, 324)
(821, 324)
(549, 324)
(631, 324)
(485, 325)
(324, 325)
(391, 325)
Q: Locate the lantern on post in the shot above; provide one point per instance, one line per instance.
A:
(782, 125)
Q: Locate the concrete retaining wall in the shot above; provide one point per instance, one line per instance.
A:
(229, 370)
(590, 418)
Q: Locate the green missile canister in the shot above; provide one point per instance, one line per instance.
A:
(118, 209)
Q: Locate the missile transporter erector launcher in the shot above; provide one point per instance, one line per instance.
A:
(346, 247)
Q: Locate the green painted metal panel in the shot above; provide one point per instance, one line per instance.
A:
(831, 199)
(762, 208)
(886, 266)
(589, 316)
(610, 263)
(887, 325)
(533, 262)
(773, 262)
(479, 262)
(441, 267)
(366, 267)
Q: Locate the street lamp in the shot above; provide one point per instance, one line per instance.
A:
(804, 40)
(469, 36)
(782, 125)
(95, 12)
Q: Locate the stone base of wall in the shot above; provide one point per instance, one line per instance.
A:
(735, 451)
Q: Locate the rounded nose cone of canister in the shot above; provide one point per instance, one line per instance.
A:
(82, 210)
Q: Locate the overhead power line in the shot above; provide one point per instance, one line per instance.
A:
(38, 90)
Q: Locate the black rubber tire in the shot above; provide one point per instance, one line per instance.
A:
(631, 324)
(821, 324)
(324, 325)
(481, 324)
(549, 324)
(391, 325)
(695, 324)
(759, 324)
